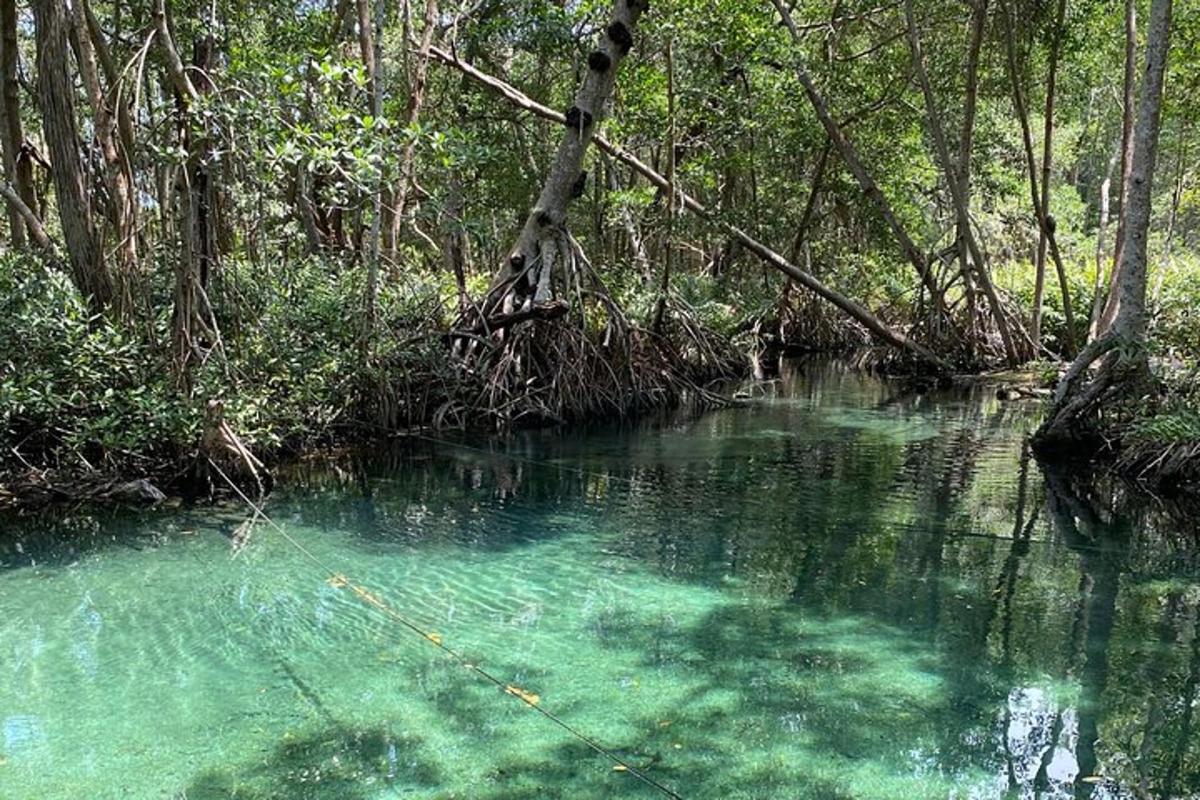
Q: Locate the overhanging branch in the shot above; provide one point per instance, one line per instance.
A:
(850, 307)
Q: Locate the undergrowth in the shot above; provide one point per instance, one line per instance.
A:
(77, 389)
(297, 369)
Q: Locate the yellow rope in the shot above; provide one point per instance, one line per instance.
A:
(339, 580)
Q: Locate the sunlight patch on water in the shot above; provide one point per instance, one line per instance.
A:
(858, 594)
(262, 676)
(881, 425)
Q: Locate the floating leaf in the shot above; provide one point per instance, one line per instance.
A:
(529, 697)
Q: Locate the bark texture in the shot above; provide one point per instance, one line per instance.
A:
(530, 267)
(18, 165)
(1113, 302)
(56, 94)
(1125, 369)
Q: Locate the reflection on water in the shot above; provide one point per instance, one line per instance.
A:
(841, 591)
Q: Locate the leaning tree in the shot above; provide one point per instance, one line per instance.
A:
(1084, 394)
(528, 339)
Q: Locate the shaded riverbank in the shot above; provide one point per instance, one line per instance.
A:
(148, 481)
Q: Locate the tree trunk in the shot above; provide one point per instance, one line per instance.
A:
(18, 166)
(1129, 95)
(800, 240)
(530, 270)
(456, 246)
(1181, 159)
(1126, 370)
(370, 48)
(416, 99)
(122, 209)
(366, 50)
(979, 14)
(1045, 222)
(314, 241)
(193, 323)
(669, 244)
(1130, 323)
(27, 218)
(865, 181)
(959, 199)
(1103, 259)
(803, 277)
(112, 77)
(1043, 209)
(56, 93)
(637, 244)
(199, 168)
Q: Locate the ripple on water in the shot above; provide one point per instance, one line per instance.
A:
(831, 597)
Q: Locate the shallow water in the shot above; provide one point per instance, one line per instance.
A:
(837, 592)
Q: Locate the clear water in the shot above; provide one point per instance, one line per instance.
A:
(837, 592)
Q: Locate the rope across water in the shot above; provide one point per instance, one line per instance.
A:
(340, 580)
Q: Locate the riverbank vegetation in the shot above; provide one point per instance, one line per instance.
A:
(236, 231)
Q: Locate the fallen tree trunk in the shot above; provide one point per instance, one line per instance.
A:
(851, 308)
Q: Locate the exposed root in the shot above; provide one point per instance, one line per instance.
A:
(549, 344)
(222, 447)
(802, 322)
(592, 364)
(1088, 405)
(1158, 462)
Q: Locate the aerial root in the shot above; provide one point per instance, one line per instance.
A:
(587, 360)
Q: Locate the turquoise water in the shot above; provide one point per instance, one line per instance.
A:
(837, 592)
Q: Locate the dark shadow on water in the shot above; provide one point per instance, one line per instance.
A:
(336, 763)
(891, 575)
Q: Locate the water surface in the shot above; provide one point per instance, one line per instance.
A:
(840, 591)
